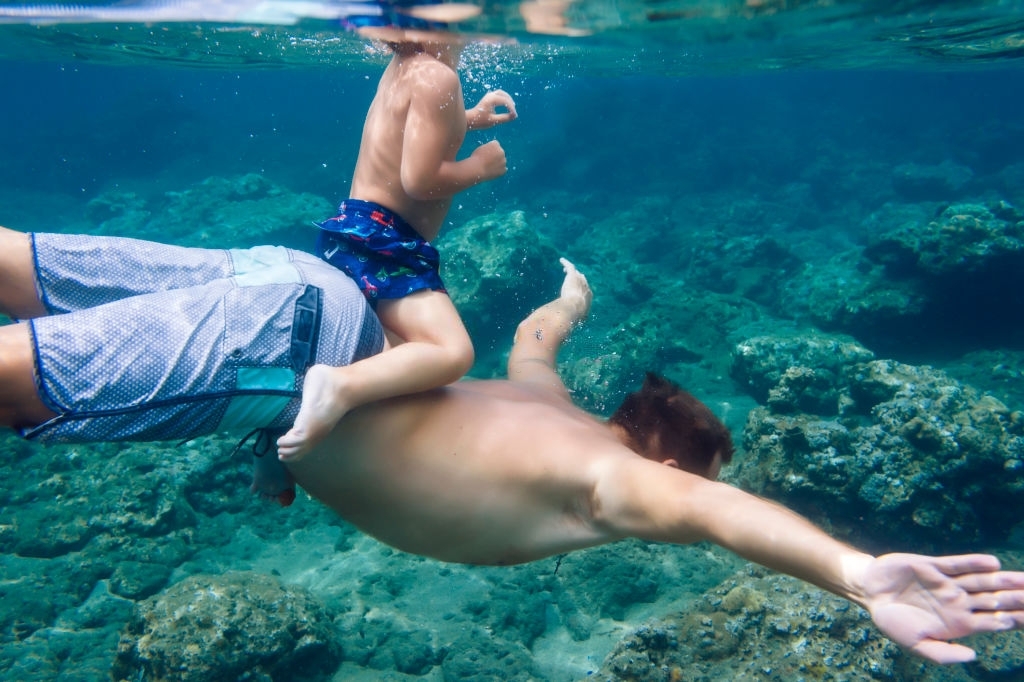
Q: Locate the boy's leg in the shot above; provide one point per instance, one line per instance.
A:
(18, 296)
(436, 351)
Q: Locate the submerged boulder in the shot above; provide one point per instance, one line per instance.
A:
(497, 269)
(923, 282)
(759, 625)
(895, 451)
(235, 626)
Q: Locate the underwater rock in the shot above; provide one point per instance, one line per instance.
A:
(919, 182)
(684, 330)
(898, 451)
(752, 266)
(382, 641)
(760, 625)
(118, 209)
(108, 513)
(999, 658)
(923, 282)
(847, 294)
(999, 372)
(497, 269)
(219, 212)
(478, 650)
(795, 372)
(139, 579)
(239, 625)
(963, 239)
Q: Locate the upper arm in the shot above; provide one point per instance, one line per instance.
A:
(435, 127)
(636, 497)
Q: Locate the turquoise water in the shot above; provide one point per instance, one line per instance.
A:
(721, 171)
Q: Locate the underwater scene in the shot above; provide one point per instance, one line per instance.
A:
(809, 214)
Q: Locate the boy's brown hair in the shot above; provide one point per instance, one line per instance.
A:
(662, 421)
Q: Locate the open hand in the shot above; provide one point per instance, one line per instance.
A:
(921, 602)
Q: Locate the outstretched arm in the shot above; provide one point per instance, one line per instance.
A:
(540, 336)
(920, 602)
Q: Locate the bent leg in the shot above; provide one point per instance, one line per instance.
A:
(76, 272)
(436, 352)
(20, 405)
(18, 296)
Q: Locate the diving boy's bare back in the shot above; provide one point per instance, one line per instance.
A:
(504, 499)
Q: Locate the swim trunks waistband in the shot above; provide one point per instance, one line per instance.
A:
(379, 250)
(381, 215)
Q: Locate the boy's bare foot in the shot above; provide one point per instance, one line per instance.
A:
(319, 411)
(271, 480)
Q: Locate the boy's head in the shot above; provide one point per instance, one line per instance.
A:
(664, 423)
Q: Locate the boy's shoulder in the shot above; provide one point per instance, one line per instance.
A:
(428, 73)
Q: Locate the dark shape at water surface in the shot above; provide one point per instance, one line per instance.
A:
(678, 36)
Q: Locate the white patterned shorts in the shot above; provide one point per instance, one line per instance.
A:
(147, 341)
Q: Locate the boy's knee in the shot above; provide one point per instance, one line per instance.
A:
(463, 356)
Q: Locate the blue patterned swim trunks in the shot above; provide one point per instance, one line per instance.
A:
(381, 252)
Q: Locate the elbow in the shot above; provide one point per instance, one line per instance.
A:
(420, 186)
(419, 192)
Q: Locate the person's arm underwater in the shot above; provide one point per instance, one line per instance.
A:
(540, 336)
(435, 128)
(920, 602)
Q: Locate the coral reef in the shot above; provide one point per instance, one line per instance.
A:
(238, 625)
(922, 282)
(877, 449)
(497, 269)
(218, 212)
(760, 626)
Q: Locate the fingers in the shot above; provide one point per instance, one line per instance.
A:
(996, 581)
(996, 621)
(1003, 600)
(574, 277)
(959, 564)
(944, 652)
(575, 288)
(500, 98)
